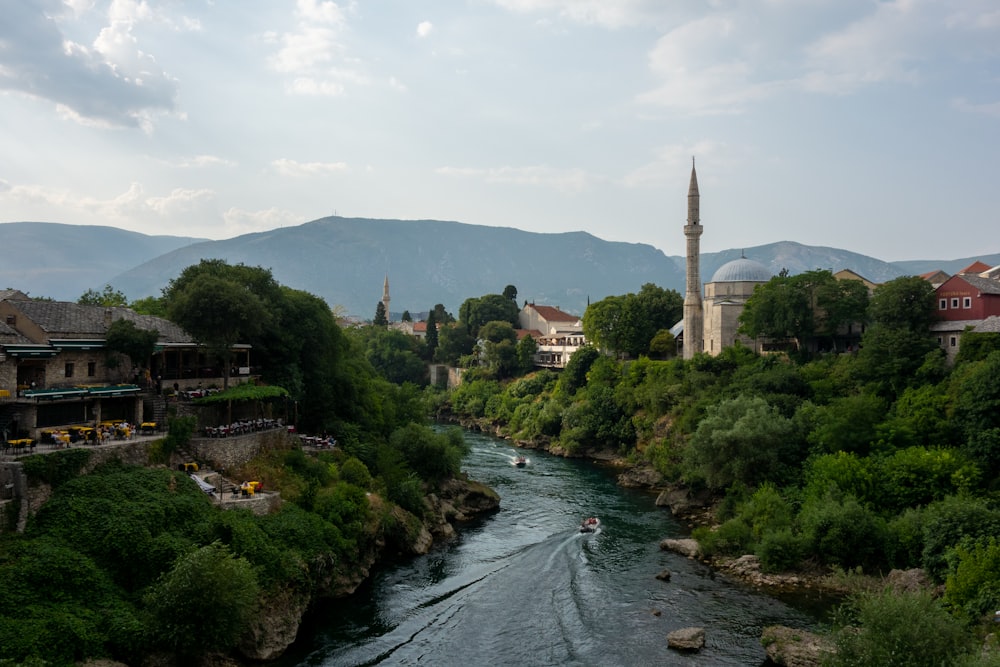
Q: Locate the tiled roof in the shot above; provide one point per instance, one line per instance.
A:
(420, 326)
(975, 267)
(63, 319)
(553, 314)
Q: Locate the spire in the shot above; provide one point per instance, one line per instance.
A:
(694, 199)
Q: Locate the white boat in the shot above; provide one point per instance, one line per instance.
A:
(590, 525)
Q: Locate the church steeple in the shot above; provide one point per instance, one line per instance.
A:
(694, 316)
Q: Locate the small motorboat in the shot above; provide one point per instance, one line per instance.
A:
(520, 461)
(590, 525)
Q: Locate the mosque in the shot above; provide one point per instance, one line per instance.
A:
(710, 323)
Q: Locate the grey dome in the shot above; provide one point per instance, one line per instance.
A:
(742, 270)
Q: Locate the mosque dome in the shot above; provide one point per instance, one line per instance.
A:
(742, 270)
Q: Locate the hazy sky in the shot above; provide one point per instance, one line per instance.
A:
(864, 125)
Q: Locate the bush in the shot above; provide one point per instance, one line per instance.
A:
(897, 630)
(780, 551)
(842, 532)
(204, 602)
(947, 523)
(732, 538)
(974, 585)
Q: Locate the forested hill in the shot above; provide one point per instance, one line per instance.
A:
(344, 260)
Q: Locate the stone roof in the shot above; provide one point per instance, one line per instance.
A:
(990, 325)
(984, 285)
(63, 319)
(11, 336)
(742, 270)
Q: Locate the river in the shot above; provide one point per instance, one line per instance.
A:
(524, 587)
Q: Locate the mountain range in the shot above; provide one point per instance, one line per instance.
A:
(346, 260)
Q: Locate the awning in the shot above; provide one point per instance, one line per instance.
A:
(77, 343)
(114, 390)
(30, 351)
(54, 394)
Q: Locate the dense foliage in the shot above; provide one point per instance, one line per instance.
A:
(880, 456)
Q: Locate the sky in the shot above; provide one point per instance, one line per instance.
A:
(871, 126)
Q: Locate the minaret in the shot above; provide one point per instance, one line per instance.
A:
(694, 317)
(385, 297)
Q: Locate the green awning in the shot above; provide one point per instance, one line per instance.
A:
(77, 343)
(114, 390)
(54, 394)
(30, 351)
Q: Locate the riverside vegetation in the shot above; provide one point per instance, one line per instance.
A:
(882, 458)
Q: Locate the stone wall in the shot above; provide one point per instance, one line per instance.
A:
(234, 451)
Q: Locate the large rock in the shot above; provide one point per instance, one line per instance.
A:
(909, 581)
(790, 647)
(687, 639)
(273, 627)
(685, 547)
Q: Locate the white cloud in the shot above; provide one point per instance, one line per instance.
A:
(287, 167)
(111, 83)
(987, 109)
(563, 180)
(424, 28)
(314, 54)
(607, 13)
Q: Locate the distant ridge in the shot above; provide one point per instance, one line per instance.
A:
(59, 261)
(344, 260)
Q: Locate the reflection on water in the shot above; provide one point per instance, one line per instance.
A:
(525, 587)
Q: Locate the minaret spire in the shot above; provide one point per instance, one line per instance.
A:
(694, 316)
(385, 296)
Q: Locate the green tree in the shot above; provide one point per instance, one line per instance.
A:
(526, 349)
(150, 305)
(381, 317)
(124, 337)
(108, 297)
(904, 303)
(743, 440)
(396, 356)
(454, 342)
(431, 337)
(405, 317)
(442, 316)
(977, 411)
(510, 292)
(475, 312)
(219, 313)
(204, 602)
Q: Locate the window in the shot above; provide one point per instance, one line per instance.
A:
(12, 320)
(953, 341)
(967, 302)
(91, 369)
(940, 340)
(954, 302)
(69, 369)
(942, 304)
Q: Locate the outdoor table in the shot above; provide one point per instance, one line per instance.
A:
(148, 427)
(21, 444)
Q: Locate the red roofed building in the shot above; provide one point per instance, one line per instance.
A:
(557, 333)
(964, 301)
